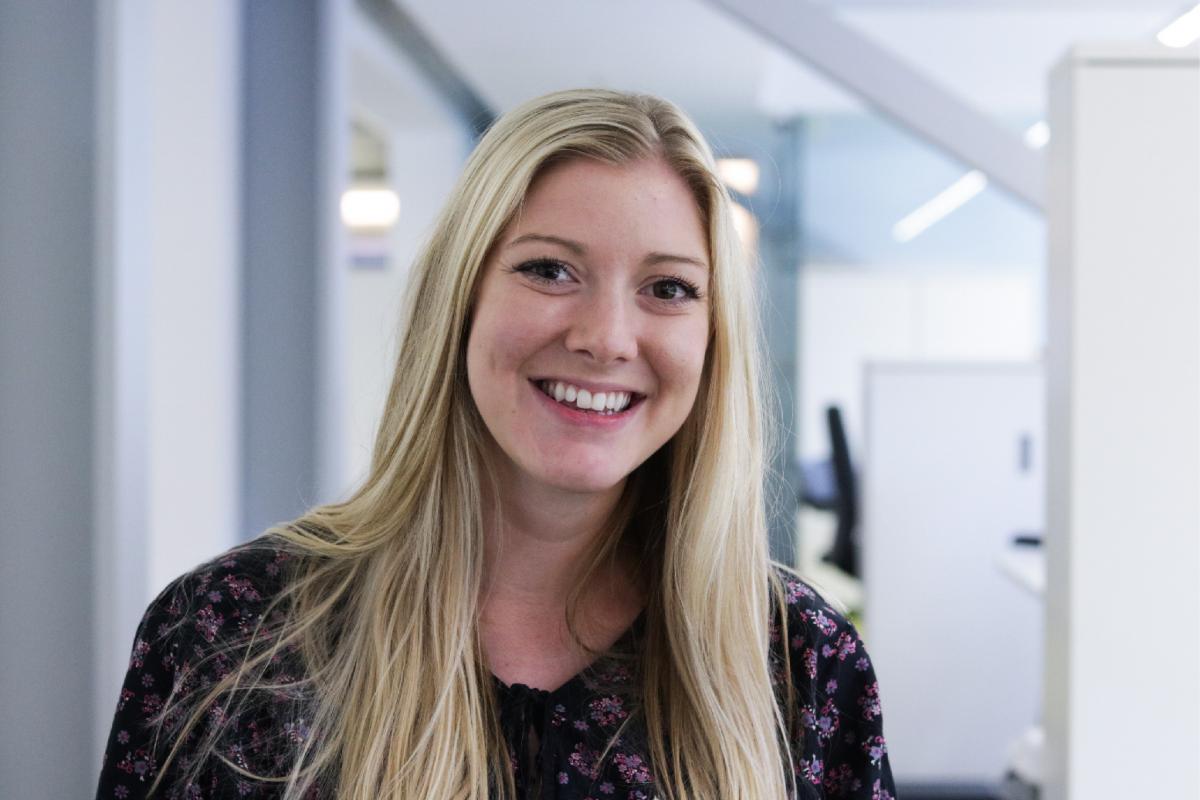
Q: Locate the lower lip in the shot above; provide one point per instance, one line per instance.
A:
(591, 419)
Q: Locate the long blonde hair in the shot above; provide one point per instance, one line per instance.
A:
(383, 605)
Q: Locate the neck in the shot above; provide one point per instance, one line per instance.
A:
(537, 538)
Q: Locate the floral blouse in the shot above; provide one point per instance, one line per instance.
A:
(555, 738)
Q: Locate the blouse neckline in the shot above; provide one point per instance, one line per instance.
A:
(519, 690)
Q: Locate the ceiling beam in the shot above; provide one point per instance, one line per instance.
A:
(402, 29)
(893, 87)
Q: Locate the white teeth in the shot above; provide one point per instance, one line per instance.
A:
(603, 402)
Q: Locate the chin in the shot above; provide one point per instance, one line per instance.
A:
(574, 480)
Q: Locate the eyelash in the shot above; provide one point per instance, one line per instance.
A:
(691, 290)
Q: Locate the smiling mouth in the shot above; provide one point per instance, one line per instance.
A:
(605, 404)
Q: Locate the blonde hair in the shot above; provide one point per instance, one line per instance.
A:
(383, 605)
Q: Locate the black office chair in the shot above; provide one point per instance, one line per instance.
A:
(831, 486)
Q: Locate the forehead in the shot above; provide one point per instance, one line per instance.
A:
(641, 204)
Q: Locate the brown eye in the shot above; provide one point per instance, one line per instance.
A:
(544, 269)
(674, 290)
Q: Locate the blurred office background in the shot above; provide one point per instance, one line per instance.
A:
(979, 231)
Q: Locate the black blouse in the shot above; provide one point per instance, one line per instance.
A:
(555, 738)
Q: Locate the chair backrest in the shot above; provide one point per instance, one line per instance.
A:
(844, 553)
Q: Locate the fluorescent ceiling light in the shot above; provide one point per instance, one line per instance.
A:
(370, 208)
(739, 174)
(959, 192)
(1182, 31)
(944, 203)
(1037, 135)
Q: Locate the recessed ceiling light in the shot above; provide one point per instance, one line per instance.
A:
(739, 174)
(370, 208)
(1182, 31)
(1037, 135)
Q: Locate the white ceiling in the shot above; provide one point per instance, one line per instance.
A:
(994, 54)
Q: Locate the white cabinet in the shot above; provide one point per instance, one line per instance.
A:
(952, 471)
(1123, 455)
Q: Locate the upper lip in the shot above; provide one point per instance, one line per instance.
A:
(591, 387)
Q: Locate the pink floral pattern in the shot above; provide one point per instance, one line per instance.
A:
(588, 739)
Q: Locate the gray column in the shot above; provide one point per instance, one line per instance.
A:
(47, 180)
(285, 83)
(776, 206)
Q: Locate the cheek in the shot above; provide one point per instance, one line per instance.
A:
(680, 360)
(504, 335)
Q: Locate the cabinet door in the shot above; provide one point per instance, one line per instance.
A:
(952, 471)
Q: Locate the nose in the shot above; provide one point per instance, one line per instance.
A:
(603, 329)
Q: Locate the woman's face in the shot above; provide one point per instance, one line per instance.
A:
(595, 294)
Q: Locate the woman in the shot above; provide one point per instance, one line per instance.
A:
(554, 581)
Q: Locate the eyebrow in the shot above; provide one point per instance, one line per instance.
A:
(579, 250)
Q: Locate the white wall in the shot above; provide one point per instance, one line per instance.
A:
(427, 147)
(193, 231)
(168, 284)
(850, 316)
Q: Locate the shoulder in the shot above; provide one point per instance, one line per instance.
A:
(832, 693)
(221, 597)
(202, 624)
(189, 639)
(820, 641)
(215, 604)
(810, 622)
